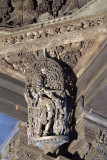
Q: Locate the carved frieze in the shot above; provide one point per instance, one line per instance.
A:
(96, 138)
(69, 54)
(53, 30)
(90, 134)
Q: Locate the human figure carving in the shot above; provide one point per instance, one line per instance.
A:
(46, 100)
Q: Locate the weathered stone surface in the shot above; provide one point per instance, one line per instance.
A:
(61, 158)
(79, 46)
(46, 157)
(17, 13)
(91, 8)
(18, 149)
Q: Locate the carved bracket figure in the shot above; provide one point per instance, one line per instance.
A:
(47, 106)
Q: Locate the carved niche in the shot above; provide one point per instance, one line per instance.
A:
(47, 106)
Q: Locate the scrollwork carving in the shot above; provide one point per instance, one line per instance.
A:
(49, 31)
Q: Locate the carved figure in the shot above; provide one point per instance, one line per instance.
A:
(45, 112)
(46, 99)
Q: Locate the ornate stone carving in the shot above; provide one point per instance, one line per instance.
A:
(19, 62)
(18, 149)
(90, 134)
(20, 12)
(10, 151)
(13, 12)
(47, 108)
(26, 155)
(45, 90)
(70, 53)
(98, 146)
(48, 32)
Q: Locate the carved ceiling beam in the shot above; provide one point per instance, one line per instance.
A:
(59, 39)
(50, 29)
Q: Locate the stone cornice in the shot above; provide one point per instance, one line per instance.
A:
(56, 40)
